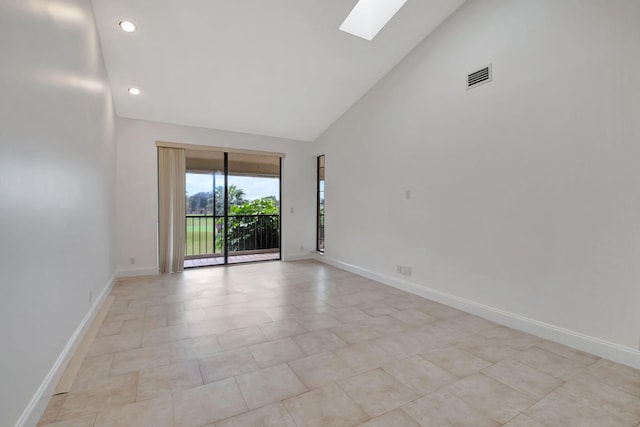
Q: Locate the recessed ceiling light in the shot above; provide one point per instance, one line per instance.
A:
(127, 26)
(134, 91)
(368, 17)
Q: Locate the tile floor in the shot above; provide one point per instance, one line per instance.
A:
(304, 344)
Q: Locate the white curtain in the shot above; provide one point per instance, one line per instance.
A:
(171, 194)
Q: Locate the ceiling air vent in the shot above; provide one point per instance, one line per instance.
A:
(479, 77)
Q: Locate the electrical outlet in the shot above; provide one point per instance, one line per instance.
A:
(132, 260)
(301, 248)
(291, 210)
(407, 195)
(403, 270)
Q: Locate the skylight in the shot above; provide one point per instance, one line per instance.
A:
(368, 17)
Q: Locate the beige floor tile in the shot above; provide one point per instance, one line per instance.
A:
(93, 368)
(420, 375)
(276, 352)
(440, 311)
(227, 364)
(588, 391)
(491, 397)
(241, 338)
(98, 395)
(568, 352)
(207, 404)
(215, 301)
(115, 343)
(143, 324)
(321, 369)
(355, 332)
(187, 316)
(274, 415)
(399, 345)
(406, 302)
(116, 317)
(156, 412)
(516, 339)
(195, 348)
(413, 317)
(616, 375)
(357, 298)
(281, 329)
(154, 310)
(363, 356)
(319, 341)
(251, 319)
(162, 380)
(376, 308)
(549, 363)
(386, 325)
(491, 349)
(465, 323)
(312, 307)
(165, 335)
(459, 362)
(211, 326)
(151, 299)
(110, 328)
(349, 315)
(328, 406)
(85, 421)
(119, 305)
(395, 418)
(523, 420)
(445, 409)
(377, 392)
(431, 336)
(523, 378)
(283, 312)
(560, 410)
(52, 410)
(316, 321)
(269, 385)
(139, 358)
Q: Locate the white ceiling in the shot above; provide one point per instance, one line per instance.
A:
(270, 67)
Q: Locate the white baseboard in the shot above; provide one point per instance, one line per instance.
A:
(297, 257)
(34, 410)
(615, 352)
(135, 272)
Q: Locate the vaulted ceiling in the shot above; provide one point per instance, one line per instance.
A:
(270, 67)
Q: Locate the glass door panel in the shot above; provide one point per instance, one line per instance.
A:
(204, 179)
(253, 209)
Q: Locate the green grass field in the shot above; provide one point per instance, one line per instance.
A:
(200, 233)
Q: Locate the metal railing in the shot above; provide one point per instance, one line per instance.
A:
(205, 234)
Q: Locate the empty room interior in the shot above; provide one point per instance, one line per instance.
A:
(309, 213)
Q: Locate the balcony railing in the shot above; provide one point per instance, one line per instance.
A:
(246, 233)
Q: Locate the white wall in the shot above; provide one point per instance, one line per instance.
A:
(57, 187)
(138, 187)
(525, 191)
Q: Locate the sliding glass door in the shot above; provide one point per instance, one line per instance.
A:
(253, 209)
(233, 208)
